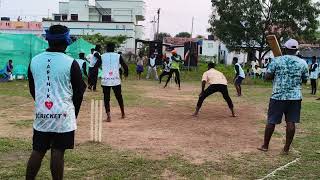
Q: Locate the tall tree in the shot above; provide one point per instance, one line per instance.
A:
(162, 35)
(246, 23)
(184, 35)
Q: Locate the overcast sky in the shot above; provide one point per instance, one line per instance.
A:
(176, 15)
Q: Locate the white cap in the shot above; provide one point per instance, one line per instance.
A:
(292, 44)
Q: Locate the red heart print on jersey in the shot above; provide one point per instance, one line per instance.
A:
(110, 73)
(49, 104)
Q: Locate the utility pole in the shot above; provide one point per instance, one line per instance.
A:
(154, 28)
(192, 26)
(190, 50)
(158, 23)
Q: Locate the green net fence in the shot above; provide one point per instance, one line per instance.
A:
(78, 46)
(21, 48)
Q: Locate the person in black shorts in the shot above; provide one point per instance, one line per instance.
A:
(56, 85)
(217, 83)
(287, 72)
(239, 77)
(166, 69)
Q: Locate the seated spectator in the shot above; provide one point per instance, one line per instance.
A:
(7, 72)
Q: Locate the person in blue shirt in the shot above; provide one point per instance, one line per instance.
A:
(288, 72)
(7, 71)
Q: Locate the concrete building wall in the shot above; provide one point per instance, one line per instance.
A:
(64, 7)
(210, 48)
(81, 8)
(20, 27)
(125, 15)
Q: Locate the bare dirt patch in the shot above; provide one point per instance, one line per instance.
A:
(162, 132)
(168, 130)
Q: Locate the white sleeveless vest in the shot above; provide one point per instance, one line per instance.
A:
(241, 74)
(54, 109)
(93, 60)
(80, 62)
(314, 74)
(110, 69)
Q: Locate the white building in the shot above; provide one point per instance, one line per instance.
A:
(210, 48)
(107, 17)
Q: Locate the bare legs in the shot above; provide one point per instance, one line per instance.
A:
(290, 132)
(56, 164)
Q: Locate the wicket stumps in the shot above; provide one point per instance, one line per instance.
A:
(96, 120)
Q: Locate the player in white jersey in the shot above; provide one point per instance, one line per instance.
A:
(82, 63)
(56, 85)
(110, 63)
(240, 76)
(93, 72)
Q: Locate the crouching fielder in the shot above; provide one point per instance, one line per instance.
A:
(217, 83)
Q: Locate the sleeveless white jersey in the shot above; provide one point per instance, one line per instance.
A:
(110, 69)
(81, 62)
(93, 60)
(54, 109)
(314, 74)
(241, 74)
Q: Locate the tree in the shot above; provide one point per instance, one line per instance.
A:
(200, 36)
(162, 35)
(184, 35)
(104, 40)
(246, 23)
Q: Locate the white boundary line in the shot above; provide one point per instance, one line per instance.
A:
(272, 174)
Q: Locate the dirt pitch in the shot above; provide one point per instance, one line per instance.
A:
(168, 128)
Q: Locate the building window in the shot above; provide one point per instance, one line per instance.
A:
(123, 26)
(64, 17)
(106, 18)
(74, 17)
(117, 27)
(57, 17)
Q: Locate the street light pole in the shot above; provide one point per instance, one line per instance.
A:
(158, 24)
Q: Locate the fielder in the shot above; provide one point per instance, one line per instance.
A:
(217, 83)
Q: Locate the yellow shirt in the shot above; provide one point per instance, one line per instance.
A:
(213, 76)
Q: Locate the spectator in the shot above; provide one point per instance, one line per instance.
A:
(139, 68)
(314, 75)
(152, 67)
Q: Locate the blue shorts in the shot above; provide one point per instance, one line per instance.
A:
(239, 80)
(290, 108)
(139, 69)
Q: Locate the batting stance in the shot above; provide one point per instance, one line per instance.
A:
(217, 83)
(56, 85)
(288, 72)
(111, 63)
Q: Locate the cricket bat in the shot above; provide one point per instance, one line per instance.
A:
(274, 45)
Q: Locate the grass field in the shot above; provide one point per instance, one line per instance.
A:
(117, 158)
